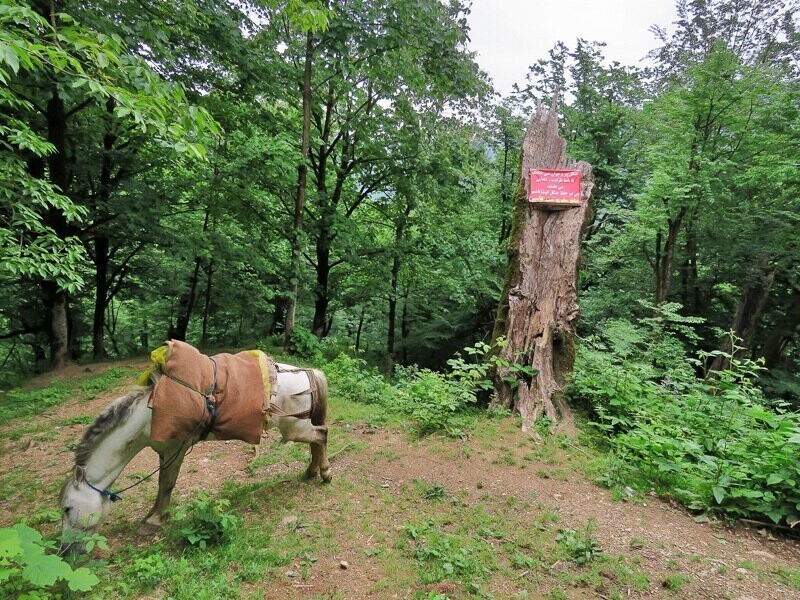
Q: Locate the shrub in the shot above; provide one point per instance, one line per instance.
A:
(206, 521)
(351, 379)
(29, 568)
(304, 343)
(433, 401)
(714, 444)
(579, 545)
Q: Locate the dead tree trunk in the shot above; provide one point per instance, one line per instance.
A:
(539, 304)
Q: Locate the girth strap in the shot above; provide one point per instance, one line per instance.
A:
(276, 411)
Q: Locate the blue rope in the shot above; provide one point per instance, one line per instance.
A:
(115, 496)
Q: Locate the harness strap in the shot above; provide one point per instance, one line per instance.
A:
(211, 403)
(208, 396)
(115, 496)
(276, 411)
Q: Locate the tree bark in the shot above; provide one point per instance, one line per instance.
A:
(300, 199)
(207, 304)
(399, 229)
(102, 244)
(188, 299)
(101, 259)
(665, 255)
(751, 305)
(782, 333)
(360, 327)
(538, 308)
(56, 299)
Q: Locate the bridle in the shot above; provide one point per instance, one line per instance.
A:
(115, 496)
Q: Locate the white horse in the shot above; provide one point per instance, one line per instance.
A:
(122, 430)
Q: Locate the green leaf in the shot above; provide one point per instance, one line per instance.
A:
(774, 478)
(45, 569)
(82, 580)
(10, 544)
(719, 494)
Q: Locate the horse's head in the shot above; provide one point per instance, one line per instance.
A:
(82, 510)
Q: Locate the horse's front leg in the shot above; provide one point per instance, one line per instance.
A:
(301, 430)
(171, 457)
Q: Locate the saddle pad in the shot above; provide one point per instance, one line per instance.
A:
(241, 395)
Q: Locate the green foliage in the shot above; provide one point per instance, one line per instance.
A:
(205, 522)
(675, 582)
(714, 444)
(29, 569)
(353, 380)
(20, 402)
(91, 67)
(433, 401)
(452, 557)
(579, 545)
(148, 571)
(304, 343)
(485, 358)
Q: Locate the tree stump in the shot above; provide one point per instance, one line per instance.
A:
(539, 304)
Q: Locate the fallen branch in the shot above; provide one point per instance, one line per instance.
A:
(795, 531)
(339, 451)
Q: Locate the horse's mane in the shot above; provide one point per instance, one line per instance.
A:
(114, 414)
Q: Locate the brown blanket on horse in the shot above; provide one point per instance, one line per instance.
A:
(236, 386)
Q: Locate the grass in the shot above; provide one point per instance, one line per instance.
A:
(20, 402)
(675, 582)
(419, 537)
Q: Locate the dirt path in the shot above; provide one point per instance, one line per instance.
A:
(505, 468)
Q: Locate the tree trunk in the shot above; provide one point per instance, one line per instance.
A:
(360, 327)
(751, 305)
(101, 242)
(782, 333)
(322, 299)
(690, 291)
(101, 259)
(405, 328)
(539, 307)
(278, 316)
(56, 300)
(399, 228)
(327, 217)
(188, 299)
(300, 199)
(58, 321)
(665, 256)
(207, 304)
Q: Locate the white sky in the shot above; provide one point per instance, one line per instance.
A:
(510, 35)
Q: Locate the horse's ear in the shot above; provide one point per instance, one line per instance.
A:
(80, 474)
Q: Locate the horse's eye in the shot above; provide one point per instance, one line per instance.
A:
(67, 509)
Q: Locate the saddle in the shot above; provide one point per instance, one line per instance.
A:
(227, 395)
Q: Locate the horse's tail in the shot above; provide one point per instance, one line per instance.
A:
(319, 408)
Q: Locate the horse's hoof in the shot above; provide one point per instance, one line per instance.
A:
(326, 477)
(309, 474)
(148, 529)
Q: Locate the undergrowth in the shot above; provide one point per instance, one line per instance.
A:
(713, 443)
(431, 401)
(25, 402)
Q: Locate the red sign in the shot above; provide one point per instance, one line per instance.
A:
(557, 188)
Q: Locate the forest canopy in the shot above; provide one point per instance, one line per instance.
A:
(342, 173)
